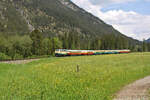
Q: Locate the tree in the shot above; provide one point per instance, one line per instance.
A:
(47, 46)
(26, 43)
(3, 43)
(37, 38)
(144, 46)
(57, 44)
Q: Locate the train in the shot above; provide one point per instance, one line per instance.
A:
(66, 52)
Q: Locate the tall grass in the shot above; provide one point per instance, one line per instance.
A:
(98, 77)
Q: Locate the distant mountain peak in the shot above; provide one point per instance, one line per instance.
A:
(148, 40)
(69, 4)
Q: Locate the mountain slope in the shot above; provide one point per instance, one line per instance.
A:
(50, 16)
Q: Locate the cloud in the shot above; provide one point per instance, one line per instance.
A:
(106, 2)
(129, 23)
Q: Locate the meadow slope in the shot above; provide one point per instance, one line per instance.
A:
(99, 78)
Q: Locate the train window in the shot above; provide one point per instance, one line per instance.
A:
(57, 49)
(61, 50)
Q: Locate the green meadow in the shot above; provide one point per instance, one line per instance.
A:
(98, 77)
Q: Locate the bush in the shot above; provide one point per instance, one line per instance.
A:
(4, 57)
(18, 56)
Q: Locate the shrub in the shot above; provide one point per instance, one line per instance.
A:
(18, 56)
(4, 57)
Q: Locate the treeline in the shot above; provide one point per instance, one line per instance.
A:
(35, 44)
(28, 46)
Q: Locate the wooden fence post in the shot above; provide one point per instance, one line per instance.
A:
(78, 69)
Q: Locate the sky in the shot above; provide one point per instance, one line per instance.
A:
(130, 17)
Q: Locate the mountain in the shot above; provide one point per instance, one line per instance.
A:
(52, 18)
(49, 16)
(148, 40)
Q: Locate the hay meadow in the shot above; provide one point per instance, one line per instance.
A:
(97, 78)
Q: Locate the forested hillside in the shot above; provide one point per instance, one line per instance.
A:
(38, 27)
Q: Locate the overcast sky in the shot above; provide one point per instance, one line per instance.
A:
(130, 17)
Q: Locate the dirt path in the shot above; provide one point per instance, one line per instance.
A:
(135, 91)
(19, 61)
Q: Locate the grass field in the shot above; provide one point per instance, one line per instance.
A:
(99, 78)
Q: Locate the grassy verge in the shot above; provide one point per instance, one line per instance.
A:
(4, 57)
(99, 77)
